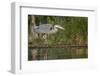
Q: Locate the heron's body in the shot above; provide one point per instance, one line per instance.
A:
(46, 29)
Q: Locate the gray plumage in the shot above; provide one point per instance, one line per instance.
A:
(47, 28)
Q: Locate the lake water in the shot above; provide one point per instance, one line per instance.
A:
(56, 53)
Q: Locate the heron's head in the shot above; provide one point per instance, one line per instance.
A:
(58, 26)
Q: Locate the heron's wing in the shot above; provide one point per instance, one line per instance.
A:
(43, 28)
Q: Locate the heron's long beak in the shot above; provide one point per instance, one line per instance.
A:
(58, 26)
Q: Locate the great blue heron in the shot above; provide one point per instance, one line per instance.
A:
(46, 29)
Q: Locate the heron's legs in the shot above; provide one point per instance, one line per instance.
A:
(45, 37)
(46, 51)
(39, 36)
(46, 55)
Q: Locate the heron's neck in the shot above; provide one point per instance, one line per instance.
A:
(55, 29)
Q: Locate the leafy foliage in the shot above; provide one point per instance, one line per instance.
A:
(76, 29)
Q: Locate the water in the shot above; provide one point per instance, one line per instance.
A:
(56, 53)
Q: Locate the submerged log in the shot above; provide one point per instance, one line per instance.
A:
(58, 46)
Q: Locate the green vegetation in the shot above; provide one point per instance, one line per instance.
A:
(75, 33)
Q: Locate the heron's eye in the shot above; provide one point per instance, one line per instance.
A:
(51, 28)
